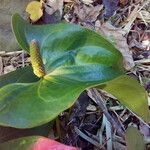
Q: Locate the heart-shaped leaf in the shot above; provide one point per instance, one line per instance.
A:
(74, 59)
(24, 75)
(34, 143)
(130, 93)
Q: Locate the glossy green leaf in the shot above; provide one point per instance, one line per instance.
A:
(34, 143)
(20, 75)
(134, 139)
(74, 58)
(130, 93)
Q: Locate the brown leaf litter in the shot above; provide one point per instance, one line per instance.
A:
(116, 35)
(10, 61)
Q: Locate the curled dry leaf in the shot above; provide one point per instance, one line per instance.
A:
(35, 10)
(116, 35)
(87, 13)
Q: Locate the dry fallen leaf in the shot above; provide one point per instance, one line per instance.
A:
(131, 18)
(110, 7)
(137, 12)
(87, 13)
(116, 35)
(35, 10)
(123, 2)
(53, 6)
(8, 69)
(144, 129)
(144, 15)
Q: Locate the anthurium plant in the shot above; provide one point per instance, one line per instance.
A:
(66, 59)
